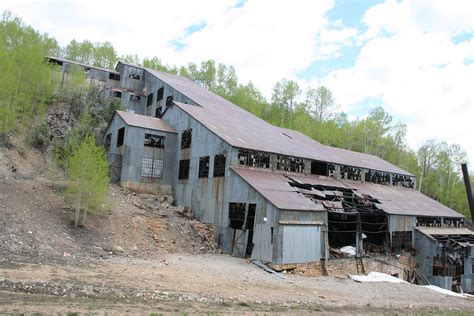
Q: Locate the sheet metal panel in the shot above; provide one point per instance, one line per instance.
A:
(301, 243)
(445, 231)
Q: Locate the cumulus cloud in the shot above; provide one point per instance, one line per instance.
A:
(410, 62)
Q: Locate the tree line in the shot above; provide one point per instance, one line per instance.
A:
(27, 88)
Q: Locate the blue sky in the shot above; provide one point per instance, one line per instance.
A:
(413, 57)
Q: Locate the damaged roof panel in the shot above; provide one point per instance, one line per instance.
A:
(402, 201)
(275, 188)
(143, 121)
(394, 200)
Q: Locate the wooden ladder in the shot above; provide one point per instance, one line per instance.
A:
(360, 266)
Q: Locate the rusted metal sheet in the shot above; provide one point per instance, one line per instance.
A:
(275, 188)
(143, 121)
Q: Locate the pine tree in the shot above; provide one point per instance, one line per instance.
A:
(87, 179)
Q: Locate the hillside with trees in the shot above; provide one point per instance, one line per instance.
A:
(29, 87)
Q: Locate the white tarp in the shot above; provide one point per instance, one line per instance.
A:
(349, 250)
(376, 277)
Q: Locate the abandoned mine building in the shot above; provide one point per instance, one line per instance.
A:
(274, 194)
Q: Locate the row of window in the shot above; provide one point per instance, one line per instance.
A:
(159, 96)
(203, 171)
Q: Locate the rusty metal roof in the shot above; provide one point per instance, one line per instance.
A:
(393, 199)
(144, 121)
(242, 129)
(402, 201)
(274, 187)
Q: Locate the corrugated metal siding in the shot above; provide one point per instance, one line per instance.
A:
(301, 243)
(401, 223)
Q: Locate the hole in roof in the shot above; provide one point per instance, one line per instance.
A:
(287, 135)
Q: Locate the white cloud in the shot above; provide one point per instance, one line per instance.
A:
(409, 61)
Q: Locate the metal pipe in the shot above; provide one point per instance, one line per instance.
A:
(467, 184)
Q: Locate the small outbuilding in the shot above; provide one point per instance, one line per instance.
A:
(141, 151)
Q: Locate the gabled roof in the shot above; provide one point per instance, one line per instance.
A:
(242, 129)
(393, 199)
(144, 121)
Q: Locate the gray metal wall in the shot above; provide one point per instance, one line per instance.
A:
(133, 151)
(205, 196)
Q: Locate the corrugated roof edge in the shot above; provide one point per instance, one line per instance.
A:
(171, 130)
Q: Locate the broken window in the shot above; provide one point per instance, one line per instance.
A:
(183, 172)
(116, 94)
(253, 158)
(376, 177)
(120, 137)
(156, 141)
(186, 138)
(402, 240)
(108, 141)
(134, 75)
(292, 164)
(135, 97)
(319, 168)
(219, 165)
(113, 76)
(159, 94)
(352, 173)
(149, 99)
(203, 167)
(404, 181)
(152, 168)
(426, 221)
(236, 215)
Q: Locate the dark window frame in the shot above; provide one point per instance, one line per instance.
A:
(153, 166)
(149, 99)
(219, 165)
(183, 170)
(159, 94)
(186, 138)
(153, 140)
(120, 136)
(204, 163)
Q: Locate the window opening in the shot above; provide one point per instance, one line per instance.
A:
(236, 215)
(113, 76)
(120, 137)
(152, 168)
(156, 141)
(253, 158)
(186, 137)
(203, 167)
(159, 94)
(149, 99)
(183, 172)
(319, 168)
(219, 165)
